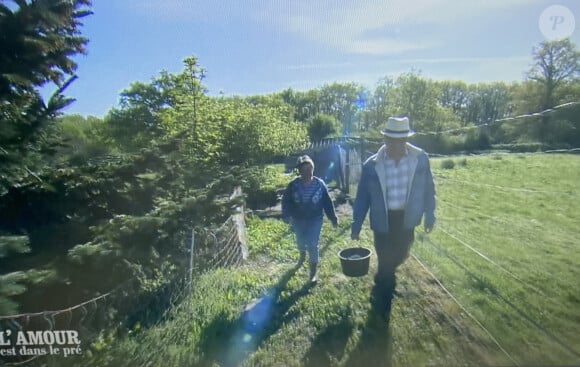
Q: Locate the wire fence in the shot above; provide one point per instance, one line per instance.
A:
(360, 148)
(502, 120)
(33, 339)
(479, 275)
(464, 309)
(225, 246)
(497, 294)
(37, 335)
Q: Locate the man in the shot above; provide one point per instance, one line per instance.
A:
(397, 187)
(304, 203)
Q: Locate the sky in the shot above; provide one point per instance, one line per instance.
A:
(252, 47)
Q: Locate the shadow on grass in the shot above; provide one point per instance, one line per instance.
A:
(329, 346)
(342, 233)
(374, 347)
(230, 342)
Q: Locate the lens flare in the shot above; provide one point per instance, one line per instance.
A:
(253, 321)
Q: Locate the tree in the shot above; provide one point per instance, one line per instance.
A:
(340, 101)
(254, 134)
(37, 40)
(137, 120)
(380, 105)
(416, 97)
(555, 63)
(322, 126)
(454, 96)
(84, 138)
(306, 104)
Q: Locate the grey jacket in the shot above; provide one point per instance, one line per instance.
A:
(372, 188)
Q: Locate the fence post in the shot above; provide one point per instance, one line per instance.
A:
(239, 221)
(347, 173)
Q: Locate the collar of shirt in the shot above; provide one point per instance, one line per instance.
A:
(386, 156)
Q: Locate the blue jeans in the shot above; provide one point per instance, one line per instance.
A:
(307, 236)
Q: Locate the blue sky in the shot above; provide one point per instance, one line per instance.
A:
(263, 46)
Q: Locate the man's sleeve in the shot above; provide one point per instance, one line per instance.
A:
(429, 197)
(328, 205)
(287, 202)
(361, 203)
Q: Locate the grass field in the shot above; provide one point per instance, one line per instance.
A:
(496, 283)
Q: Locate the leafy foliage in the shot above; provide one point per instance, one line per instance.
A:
(555, 63)
(322, 126)
(83, 139)
(37, 40)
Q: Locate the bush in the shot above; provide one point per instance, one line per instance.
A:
(476, 140)
(261, 185)
(448, 164)
(322, 126)
(521, 147)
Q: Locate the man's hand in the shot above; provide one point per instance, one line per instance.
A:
(354, 236)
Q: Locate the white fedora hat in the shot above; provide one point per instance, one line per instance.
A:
(397, 127)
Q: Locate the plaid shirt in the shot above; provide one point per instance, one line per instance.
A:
(397, 182)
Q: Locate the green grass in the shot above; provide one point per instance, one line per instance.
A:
(522, 213)
(518, 301)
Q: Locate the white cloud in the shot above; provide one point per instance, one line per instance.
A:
(385, 46)
(316, 66)
(468, 60)
(469, 69)
(343, 25)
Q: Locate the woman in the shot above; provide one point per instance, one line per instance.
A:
(303, 203)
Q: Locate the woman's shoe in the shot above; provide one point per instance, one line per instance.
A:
(313, 277)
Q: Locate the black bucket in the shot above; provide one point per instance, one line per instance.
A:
(355, 261)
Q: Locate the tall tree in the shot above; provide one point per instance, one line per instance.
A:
(137, 120)
(555, 63)
(487, 102)
(454, 95)
(416, 97)
(306, 104)
(322, 126)
(380, 104)
(340, 101)
(37, 41)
